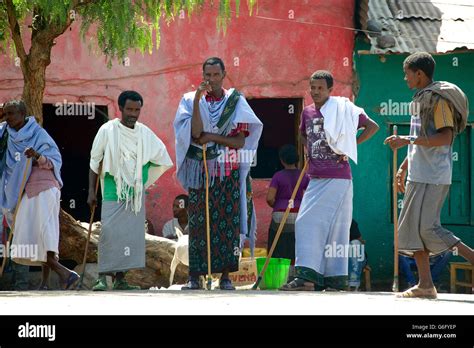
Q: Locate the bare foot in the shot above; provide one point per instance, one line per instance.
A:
(417, 292)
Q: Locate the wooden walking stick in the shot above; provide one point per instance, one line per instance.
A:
(395, 218)
(208, 228)
(280, 228)
(20, 195)
(91, 221)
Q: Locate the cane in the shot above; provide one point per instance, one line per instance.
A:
(22, 188)
(91, 221)
(208, 228)
(280, 228)
(395, 218)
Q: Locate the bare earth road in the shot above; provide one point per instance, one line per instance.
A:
(241, 302)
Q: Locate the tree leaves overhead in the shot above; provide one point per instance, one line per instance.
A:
(116, 25)
(3, 29)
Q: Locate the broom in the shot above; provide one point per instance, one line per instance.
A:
(280, 228)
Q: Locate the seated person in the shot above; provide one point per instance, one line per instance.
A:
(357, 256)
(180, 218)
(150, 228)
(438, 263)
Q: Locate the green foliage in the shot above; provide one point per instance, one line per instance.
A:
(3, 28)
(225, 12)
(6, 45)
(119, 25)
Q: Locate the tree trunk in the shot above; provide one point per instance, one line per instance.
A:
(33, 90)
(34, 63)
(34, 70)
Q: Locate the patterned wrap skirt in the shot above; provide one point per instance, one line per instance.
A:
(224, 214)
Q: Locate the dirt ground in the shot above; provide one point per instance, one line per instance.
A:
(241, 302)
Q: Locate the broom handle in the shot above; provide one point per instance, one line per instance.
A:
(208, 228)
(395, 217)
(20, 195)
(282, 224)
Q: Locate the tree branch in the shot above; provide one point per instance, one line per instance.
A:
(47, 35)
(15, 30)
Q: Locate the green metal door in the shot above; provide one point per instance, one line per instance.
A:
(457, 208)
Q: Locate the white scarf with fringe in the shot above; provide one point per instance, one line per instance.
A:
(124, 152)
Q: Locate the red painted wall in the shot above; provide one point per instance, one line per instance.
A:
(264, 59)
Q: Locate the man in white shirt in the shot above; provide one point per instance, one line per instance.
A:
(180, 218)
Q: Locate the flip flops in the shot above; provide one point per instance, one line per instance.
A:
(122, 284)
(192, 284)
(100, 284)
(72, 280)
(298, 284)
(226, 284)
(416, 292)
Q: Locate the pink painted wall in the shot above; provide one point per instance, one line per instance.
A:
(275, 59)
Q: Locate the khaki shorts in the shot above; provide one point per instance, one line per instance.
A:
(419, 226)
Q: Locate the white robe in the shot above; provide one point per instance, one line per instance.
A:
(36, 228)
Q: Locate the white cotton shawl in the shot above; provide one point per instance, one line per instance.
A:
(124, 152)
(341, 120)
(182, 126)
(243, 114)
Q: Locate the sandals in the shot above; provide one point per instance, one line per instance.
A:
(72, 280)
(226, 284)
(192, 284)
(122, 284)
(100, 284)
(416, 292)
(298, 284)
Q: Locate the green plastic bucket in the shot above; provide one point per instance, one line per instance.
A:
(276, 274)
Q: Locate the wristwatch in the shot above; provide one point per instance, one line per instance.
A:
(412, 139)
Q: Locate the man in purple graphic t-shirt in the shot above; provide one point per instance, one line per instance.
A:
(328, 130)
(324, 162)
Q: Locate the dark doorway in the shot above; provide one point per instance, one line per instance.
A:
(280, 118)
(73, 128)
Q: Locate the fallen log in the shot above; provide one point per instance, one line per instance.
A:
(72, 240)
(159, 253)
